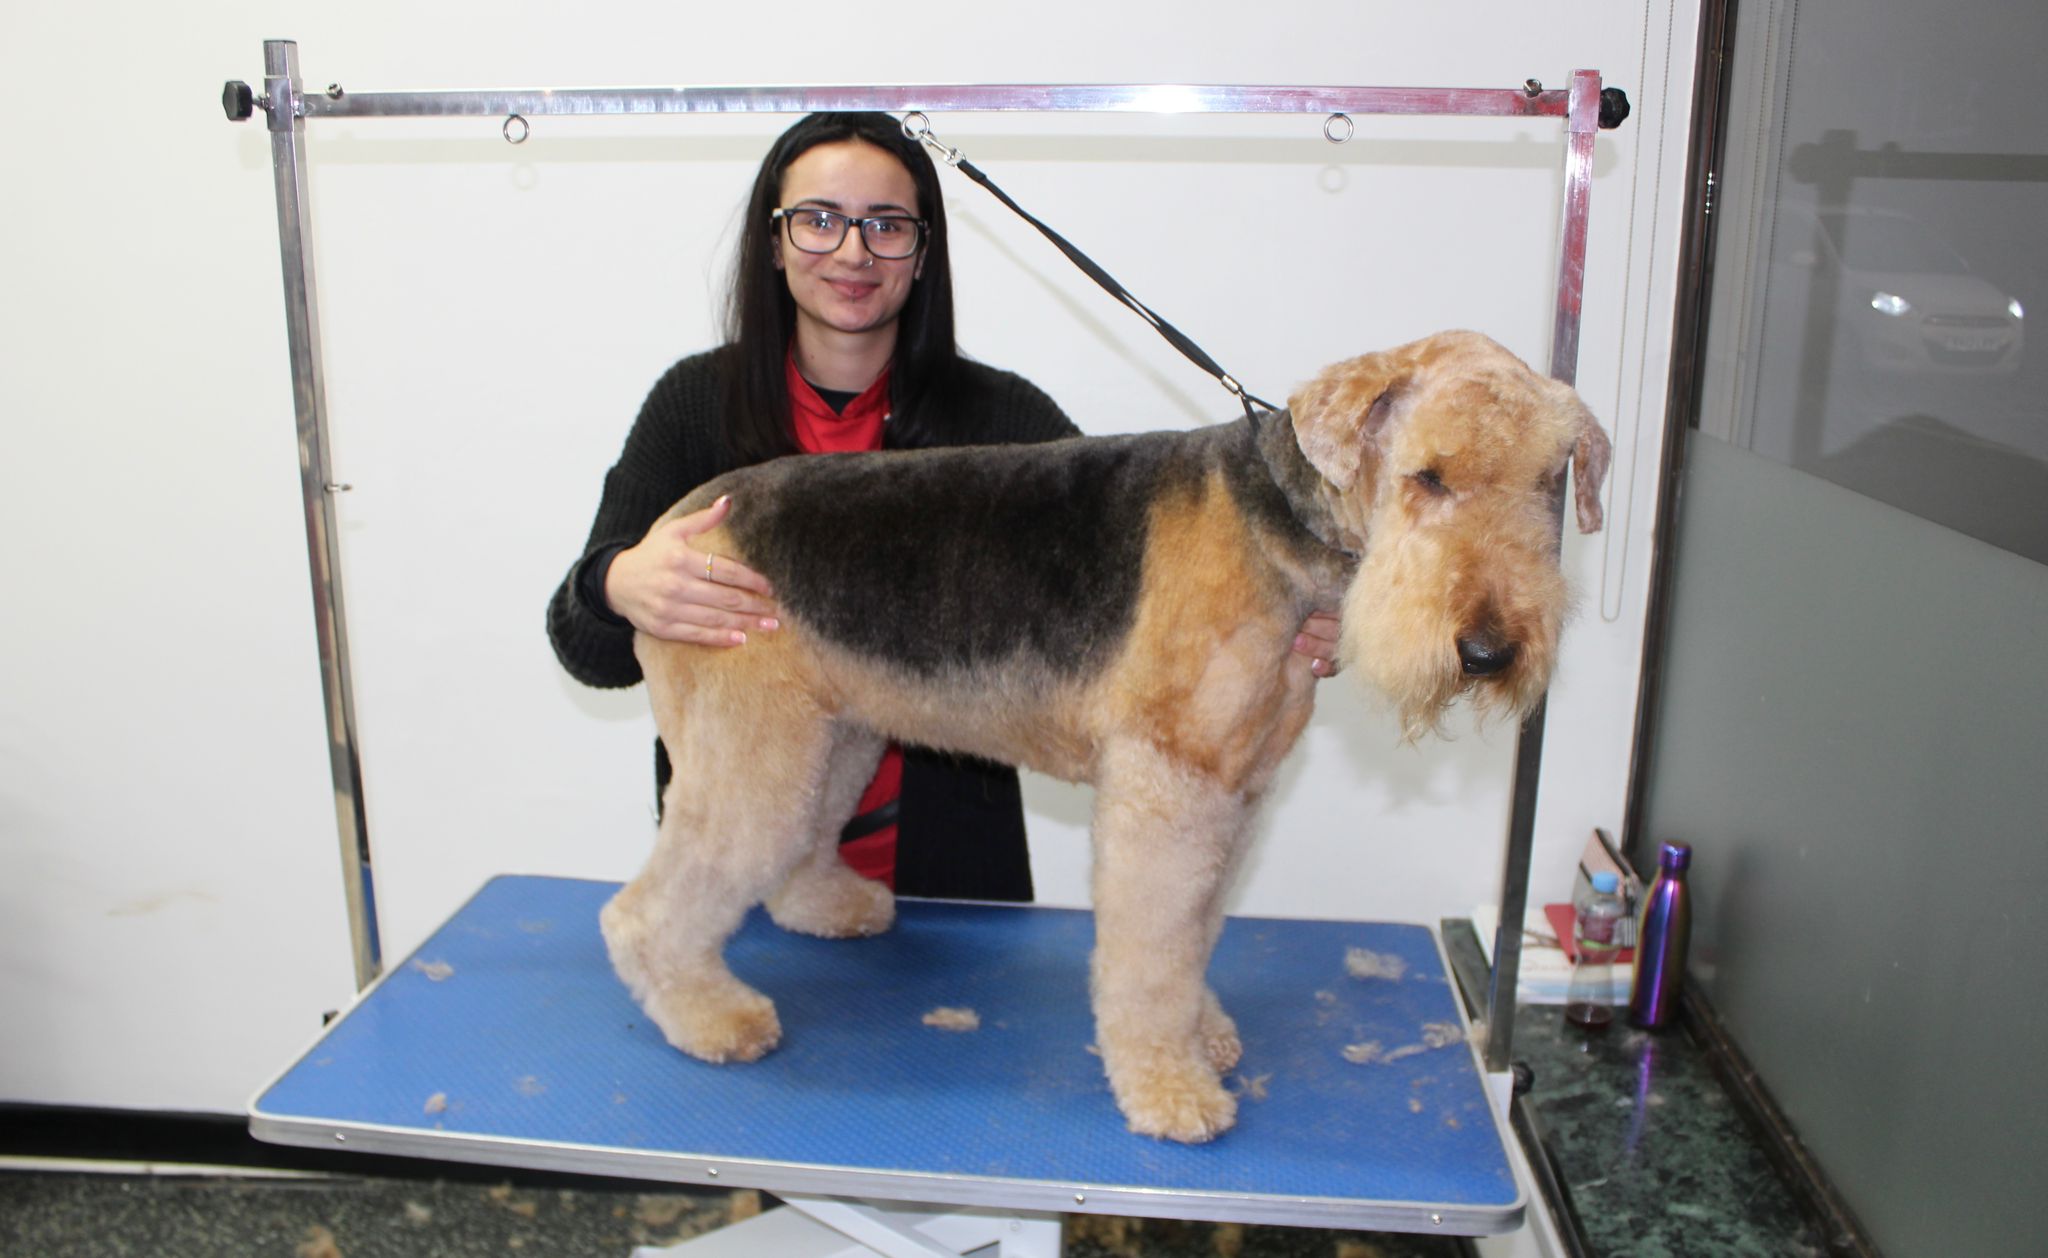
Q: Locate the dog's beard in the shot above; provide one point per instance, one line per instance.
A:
(1407, 608)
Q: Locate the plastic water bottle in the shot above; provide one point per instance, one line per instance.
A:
(1661, 940)
(1589, 1000)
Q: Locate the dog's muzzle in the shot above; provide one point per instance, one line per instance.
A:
(1482, 657)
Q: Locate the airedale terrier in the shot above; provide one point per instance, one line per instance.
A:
(1111, 610)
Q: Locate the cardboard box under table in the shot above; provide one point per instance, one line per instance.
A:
(506, 1039)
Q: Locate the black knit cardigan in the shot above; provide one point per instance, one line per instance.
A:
(960, 830)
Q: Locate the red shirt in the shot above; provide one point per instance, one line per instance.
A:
(821, 430)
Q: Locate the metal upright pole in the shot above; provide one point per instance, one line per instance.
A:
(1582, 123)
(309, 400)
(1582, 126)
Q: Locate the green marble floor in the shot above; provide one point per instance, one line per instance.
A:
(1654, 1157)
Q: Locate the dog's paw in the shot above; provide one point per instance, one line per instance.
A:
(1218, 1033)
(833, 902)
(1176, 1102)
(728, 1022)
(1170, 1094)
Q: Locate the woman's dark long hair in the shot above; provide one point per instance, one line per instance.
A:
(761, 315)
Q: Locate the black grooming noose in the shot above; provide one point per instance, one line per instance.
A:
(917, 127)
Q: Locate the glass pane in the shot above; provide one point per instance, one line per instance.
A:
(1850, 719)
(1882, 275)
(1862, 785)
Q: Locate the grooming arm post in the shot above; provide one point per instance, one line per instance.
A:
(1582, 123)
(282, 102)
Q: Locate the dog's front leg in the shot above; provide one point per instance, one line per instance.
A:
(1164, 842)
(1216, 1027)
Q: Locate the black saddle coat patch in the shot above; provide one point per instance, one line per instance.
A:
(964, 558)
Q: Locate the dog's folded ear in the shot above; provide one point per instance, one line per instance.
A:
(1342, 412)
(1591, 453)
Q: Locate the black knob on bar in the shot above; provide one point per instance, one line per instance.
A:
(1614, 108)
(237, 101)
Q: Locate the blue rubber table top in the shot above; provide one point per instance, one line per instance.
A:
(506, 1039)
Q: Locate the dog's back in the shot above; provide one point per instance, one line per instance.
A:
(986, 591)
(959, 559)
(954, 559)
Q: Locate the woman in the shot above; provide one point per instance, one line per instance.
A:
(840, 337)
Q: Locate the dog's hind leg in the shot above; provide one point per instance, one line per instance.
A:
(736, 819)
(823, 895)
(1164, 844)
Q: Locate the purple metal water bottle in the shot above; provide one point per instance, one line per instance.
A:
(1661, 941)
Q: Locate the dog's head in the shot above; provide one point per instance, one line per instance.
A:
(1445, 462)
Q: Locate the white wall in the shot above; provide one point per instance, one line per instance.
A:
(171, 924)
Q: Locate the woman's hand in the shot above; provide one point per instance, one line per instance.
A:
(1318, 641)
(669, 589)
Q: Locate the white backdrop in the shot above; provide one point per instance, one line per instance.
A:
(171, 921)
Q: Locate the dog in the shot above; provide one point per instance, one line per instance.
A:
(1110, 610)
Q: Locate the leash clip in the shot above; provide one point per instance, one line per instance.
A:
(921, 131)
(1246, 398)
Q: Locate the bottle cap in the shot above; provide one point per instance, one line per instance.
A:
(1675, 856)
(1606, 881)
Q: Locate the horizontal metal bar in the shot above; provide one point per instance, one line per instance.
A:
(973, 98)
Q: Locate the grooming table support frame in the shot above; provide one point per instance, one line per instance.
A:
(836, 1227)
(288, 106)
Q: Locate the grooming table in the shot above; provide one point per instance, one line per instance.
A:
(506, 1040)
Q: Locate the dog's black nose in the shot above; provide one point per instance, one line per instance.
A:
(1484, 658)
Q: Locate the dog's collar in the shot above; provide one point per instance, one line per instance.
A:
(1274, 446)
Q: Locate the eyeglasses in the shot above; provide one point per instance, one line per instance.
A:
(823, 231)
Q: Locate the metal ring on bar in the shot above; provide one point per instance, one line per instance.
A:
(525, 129)
(1350, 128)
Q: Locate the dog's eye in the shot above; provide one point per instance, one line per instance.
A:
(1431, 481)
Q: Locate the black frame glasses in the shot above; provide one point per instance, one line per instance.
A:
(879, 233)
